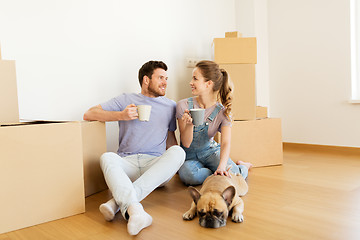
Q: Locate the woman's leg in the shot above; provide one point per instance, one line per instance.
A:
(246, 164)
(244, 171)
(193, 172)
(213, 160)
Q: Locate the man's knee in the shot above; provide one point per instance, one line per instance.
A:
(107, 158)
(178, 153)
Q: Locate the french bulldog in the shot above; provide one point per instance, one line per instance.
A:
(219, 196)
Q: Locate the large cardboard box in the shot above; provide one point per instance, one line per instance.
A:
(243, 78)
(258, 142)
(8, 91)
(94, 145)
(47, 169)
(232, 50)
(41, 173)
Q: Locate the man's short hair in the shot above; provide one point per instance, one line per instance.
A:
(148, 69)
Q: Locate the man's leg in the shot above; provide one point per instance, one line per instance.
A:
(158, 171)
(109, 209)
(128, 195)
(119, 175)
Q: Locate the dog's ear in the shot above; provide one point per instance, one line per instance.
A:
(228, 194)
(195, 194)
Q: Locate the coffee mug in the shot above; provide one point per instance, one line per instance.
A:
(197, 114)
(144, 112)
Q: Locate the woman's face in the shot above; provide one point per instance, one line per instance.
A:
(198, 84)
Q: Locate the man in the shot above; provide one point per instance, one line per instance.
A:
(148, 154)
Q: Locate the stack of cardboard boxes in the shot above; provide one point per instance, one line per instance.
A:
(47, 168)
(255, 137)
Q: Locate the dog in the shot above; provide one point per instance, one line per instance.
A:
(219, 196)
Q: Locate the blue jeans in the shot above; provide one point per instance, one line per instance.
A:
(195, 170)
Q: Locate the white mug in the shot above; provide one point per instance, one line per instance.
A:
(144, 112)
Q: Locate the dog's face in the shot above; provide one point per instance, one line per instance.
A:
(213, 208)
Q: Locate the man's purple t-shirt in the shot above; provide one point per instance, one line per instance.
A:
(138, 137)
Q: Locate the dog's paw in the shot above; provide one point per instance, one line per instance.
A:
(238, 218)
(189, 215)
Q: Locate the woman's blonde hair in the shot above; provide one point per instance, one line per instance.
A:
(222, 84)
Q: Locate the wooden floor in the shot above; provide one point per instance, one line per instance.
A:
(315, 194)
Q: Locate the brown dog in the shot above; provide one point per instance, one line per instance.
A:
(217, 197)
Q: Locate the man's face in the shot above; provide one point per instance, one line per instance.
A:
(158, 83)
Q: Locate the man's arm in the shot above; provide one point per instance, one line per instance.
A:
(171, 140)
(98, 114)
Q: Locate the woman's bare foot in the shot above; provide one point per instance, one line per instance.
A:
(246, 164)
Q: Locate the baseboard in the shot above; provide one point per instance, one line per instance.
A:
(315, 147)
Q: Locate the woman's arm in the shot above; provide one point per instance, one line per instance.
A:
(186, 129)
(225, 144)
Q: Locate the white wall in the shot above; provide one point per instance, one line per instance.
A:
(309, 62)
(252, 21)
(74, 54)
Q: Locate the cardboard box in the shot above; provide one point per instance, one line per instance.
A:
(8, 91)
(261, 112)
(94, 145)
(47, 169)
(41, 173)
(257, 141)
(244, 102)
(235, 50)
(233, 34)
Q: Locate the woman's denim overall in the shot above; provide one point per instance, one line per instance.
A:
(203, 155)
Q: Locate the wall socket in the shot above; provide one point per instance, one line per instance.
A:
(191, 62)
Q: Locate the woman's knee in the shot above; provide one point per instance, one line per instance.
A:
(185, 169)
(186, 173)
(191, 174)
(187, 177)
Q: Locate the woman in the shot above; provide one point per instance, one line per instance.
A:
(212, 90)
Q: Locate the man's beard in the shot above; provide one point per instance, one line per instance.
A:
(155, 90)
